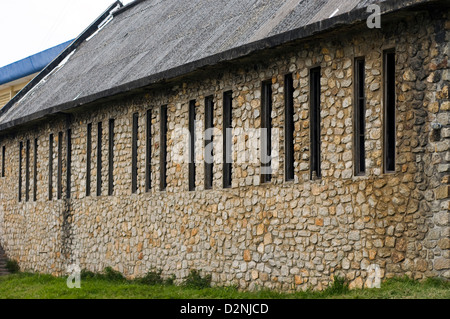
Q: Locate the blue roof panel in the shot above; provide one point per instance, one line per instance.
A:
(30, 65)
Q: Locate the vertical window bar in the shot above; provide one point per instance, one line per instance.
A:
(68, 162)
(192, 145)
(359, 120)
(266, 131)
(111, 158)
(163, 148)
(88, 159)
(148, 153)
(134, 155)
(289, 127)
(227, 121)
(35, 166)
(50, 167)
(209, 155)
(27, 171)
(20, 170)
(389, 111)
(99, 158)
(59, 179)
(315, 122)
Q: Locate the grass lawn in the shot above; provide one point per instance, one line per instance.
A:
(35, 286)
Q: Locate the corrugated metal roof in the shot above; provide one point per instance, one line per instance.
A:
(155, 37)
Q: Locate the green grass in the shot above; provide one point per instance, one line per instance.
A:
(25, 285)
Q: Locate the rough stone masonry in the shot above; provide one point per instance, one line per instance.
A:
(277, 235)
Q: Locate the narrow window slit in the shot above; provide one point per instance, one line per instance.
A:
(35, 167)
(3, 160)
(88, 158)
(148, 153)
(50, 167)
(289, 127)
(227, 147)
(111, 158)
(209, 151)
(315, 91)
(59, 177)
(389, 112)
(192, 145)
(68, 162)
(266, 132)
(20, 170)
(99, 158)
(27, 171)
(163, 148)
(359, 117)
(134, 153)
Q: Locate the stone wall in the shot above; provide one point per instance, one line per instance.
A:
(280, 235)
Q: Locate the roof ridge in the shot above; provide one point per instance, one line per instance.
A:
(126, 7)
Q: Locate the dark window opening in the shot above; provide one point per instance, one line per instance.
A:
(148, 153)
(192, 145)
(35, 166)
(50, 167)
(227, 120)
(134, 153)
(27, 171)
(209, 151)
(3, 160)
(88, 159)
(20, 170)
(359, 119)
(163, 148)
(289, 127)
(389, 111)
(315, 122)
(59, 178)
(68, 162)
(99, 158)
(111, 158)
(266, 131)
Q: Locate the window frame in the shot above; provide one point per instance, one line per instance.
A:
(289, 160)
(3, 160)
(266, 124)
(111, 135)
(59, 167)
(227, 113)
(50, 166)
(88, 158)
(35, 166)
(209, 141)
(315, 121)
(134, 153)
(99, 157)
(27, 170)
(148, 152)
(20, 170)
(389, 115)
(359, 111)
(191, 127)
(163, 148)
(68, 162)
